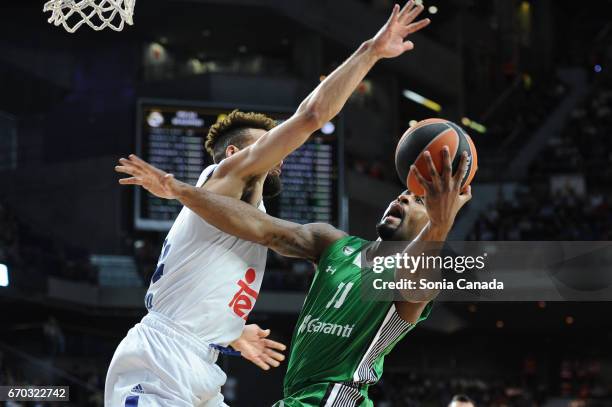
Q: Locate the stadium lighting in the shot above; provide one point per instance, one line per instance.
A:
(432, 9)
(473, 125)
(525, 7)
(422, 100)
(4, 277)
(156, 53)
(328, 128)
(597, 68)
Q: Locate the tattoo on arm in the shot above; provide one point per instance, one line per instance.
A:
(305, 241)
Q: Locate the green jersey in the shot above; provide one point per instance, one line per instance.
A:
(339, 337)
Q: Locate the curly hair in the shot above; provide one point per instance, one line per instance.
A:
(231, 131)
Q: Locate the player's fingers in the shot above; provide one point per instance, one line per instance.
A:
(461, 170)
(447, 170)
(130, 181)
(257, 328)
(431, 167)
(262, 333)
(463, 199)
(127, 163)
(412, 14)
(274, 345)
(260, 363)
(136, 159)
(406, 9)
(394, 14)
(275, 355)
(270, 361)
(408, 45)
(466, 193)
(140, 163)
(131, 161)
(426, 184)
(419, 25)
(126, 170)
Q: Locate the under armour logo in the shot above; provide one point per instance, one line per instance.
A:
(330, 270)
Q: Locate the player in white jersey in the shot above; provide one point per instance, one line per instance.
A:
(207, 281)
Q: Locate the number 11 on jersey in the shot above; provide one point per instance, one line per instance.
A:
(342, 290)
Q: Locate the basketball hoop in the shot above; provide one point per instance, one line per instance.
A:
(98, 14)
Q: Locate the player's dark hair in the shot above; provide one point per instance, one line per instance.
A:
(231, 130)
(462, 398)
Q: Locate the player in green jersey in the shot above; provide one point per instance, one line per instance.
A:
(340, 341)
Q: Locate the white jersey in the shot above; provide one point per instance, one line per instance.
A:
(206, 281)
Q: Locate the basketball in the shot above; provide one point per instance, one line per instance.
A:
(432, 135)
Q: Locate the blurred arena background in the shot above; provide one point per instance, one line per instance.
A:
(531, 81)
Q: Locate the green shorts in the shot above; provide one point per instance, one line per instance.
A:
(328, 394)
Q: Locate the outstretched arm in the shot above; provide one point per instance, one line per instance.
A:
(326, 100)
(233, 216)
(247, 222)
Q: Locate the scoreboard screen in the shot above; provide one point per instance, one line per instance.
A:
(171, 135)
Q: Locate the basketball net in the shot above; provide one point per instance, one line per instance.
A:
(98, 14)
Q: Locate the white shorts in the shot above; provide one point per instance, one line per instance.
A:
(159, 363)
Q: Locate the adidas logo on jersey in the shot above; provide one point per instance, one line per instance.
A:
(137, 389)
(313, 325)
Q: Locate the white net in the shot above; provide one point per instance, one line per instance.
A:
(98, 14)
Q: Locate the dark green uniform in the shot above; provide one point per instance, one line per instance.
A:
(340, 340)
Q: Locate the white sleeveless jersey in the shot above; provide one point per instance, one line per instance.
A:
(206, 280)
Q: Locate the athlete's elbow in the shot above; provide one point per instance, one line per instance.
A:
(259, 234)
(312, 116)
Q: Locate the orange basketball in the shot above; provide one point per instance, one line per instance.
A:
(432, 135)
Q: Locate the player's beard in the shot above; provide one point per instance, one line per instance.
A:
(386, 232)
(272, 186)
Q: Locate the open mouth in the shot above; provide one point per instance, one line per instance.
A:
(395, 211)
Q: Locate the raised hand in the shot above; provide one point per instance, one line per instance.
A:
(154, 180)
(444, 196)
(254, 347)
(390, 41)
